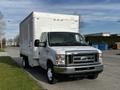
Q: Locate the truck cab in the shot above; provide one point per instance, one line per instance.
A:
(68, 53)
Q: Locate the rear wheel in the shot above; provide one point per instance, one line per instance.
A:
(25, 63)
(94, 76)
(50, 74)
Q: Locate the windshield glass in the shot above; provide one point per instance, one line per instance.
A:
(65, 39)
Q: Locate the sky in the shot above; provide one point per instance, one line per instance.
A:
(96, 15)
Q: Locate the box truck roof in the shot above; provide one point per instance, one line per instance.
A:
(49, 22)
(54, 15)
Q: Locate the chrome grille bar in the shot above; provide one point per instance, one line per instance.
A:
(81, 59)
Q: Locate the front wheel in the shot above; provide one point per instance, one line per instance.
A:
(50, 74)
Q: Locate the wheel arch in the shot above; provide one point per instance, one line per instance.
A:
(49, 62)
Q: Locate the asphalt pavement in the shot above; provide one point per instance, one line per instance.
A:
(108, 80)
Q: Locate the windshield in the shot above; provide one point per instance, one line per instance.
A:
(65, 39)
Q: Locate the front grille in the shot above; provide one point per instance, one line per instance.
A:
(81, 59)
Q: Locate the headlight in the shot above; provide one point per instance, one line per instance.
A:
(100, 57)
(60, 59)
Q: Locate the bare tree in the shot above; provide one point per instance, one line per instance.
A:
(16, 40)
(2, 28)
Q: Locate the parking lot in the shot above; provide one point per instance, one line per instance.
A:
(108, 80)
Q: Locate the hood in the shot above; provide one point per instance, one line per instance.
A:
(63, 49)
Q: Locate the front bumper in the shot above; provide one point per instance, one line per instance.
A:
(78, 69)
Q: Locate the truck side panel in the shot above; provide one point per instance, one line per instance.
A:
(26, 37)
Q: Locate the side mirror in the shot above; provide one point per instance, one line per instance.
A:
(42, 44)
(37, 43)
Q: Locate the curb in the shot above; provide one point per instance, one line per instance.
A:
(4, 54)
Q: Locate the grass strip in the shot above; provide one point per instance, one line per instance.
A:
(2, 50)
(13, 77)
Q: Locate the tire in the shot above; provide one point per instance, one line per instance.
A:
(94, 76)
(25, 63)
(50, 74)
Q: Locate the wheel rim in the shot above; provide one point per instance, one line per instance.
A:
(49, 74)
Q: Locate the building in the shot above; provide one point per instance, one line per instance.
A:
(105, 34)
(115, 34)
(2, 45)
(106, 37)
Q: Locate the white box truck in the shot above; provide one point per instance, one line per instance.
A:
(54, 42)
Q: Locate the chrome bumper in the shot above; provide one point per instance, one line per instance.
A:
(78, 69)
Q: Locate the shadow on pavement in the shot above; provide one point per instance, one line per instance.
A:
(117, 54)
(36, 72)
(40, 74)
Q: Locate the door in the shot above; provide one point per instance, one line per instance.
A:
(43, 51)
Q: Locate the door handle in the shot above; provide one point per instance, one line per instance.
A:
(39, 53)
